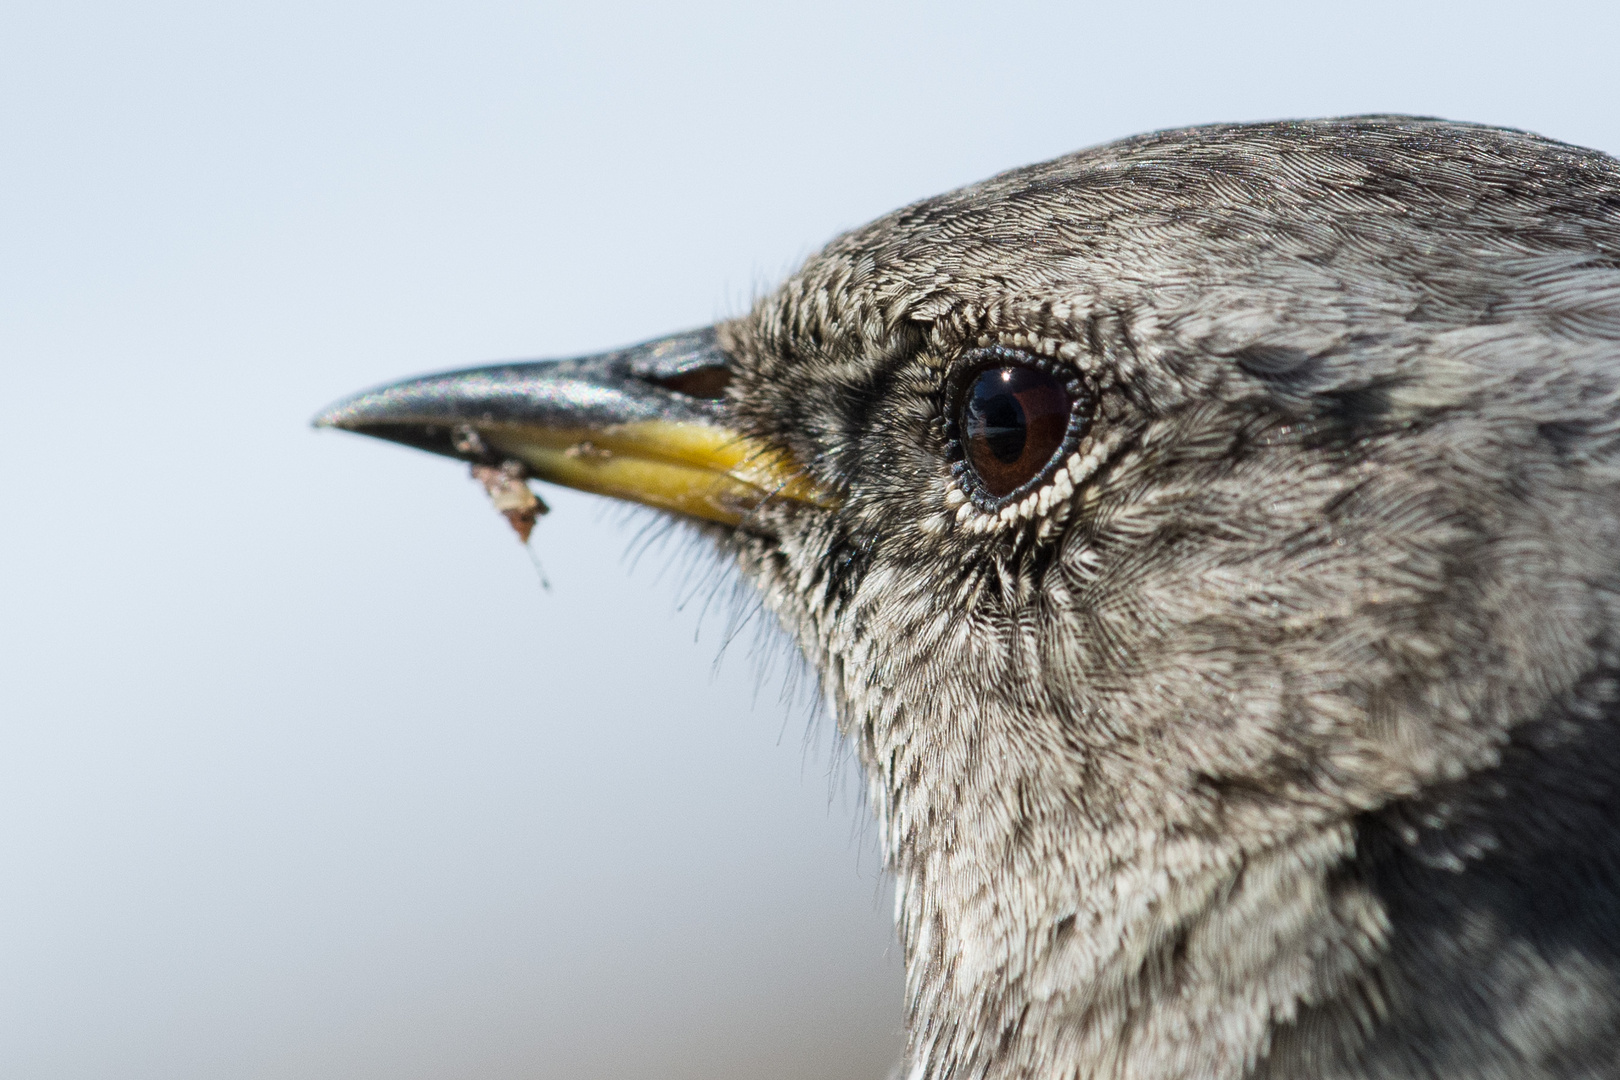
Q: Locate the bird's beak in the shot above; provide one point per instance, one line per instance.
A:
(648, 424)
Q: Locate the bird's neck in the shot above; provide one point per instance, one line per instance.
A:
(1055, 939)
(1157, 957)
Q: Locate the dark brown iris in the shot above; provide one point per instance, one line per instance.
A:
(1013, 421)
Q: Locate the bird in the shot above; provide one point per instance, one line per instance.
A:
(1209, 544)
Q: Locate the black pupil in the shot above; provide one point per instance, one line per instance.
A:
(1001, 419)
(1013, 421)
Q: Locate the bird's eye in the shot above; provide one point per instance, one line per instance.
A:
(1015, 419)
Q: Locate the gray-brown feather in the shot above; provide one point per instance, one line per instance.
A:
(1286, 741)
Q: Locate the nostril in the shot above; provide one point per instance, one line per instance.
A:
(703, 382)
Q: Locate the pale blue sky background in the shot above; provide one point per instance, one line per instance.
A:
(301, 774)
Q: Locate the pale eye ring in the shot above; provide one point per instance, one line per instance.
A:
(1011, 419)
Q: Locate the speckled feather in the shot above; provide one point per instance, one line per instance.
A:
(1280, 734)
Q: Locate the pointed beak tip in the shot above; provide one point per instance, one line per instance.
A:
(346, 414)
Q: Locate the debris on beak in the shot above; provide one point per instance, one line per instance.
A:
(507, 485)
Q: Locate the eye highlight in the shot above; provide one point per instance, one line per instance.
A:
(1013, 418)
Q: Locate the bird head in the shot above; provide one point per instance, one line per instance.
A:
(1204, 540)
